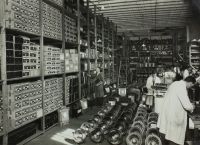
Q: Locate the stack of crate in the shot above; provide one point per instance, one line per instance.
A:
(71, 90)
(71, 60)
(31, 58)
(53, 96)
(53, 60)
(52, 22)
(92, 53)
(14, 62)
(23, 15)
(57, 60)
(25, 103)
(67, 87)
(22, 57)
(70, 30)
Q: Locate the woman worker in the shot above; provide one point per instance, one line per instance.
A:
(172, 120)
(151, 81)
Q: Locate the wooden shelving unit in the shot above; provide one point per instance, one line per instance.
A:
(146, 54)
(75, 28)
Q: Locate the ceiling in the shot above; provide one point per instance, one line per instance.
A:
(139, 17)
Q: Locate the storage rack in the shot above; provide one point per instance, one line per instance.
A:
(155, 51)
(194, 54)
(66, 38)
(109, 50)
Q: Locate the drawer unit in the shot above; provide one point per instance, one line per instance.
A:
(53, 95)
(24, 103)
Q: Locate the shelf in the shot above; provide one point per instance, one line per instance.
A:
(153, 50)
(20, 32)
(53, 4)
(38, 133)
(164, 57)
(195, 57)
(67, 73)
(84, 58)
(71, 43)
(45, 114)
(10, 130)
(22, 78)
(195, 63)
(69, 14)
(51, 41)
(147, 67)
(51, 75)
(88, 58)
(73, 102)
(194, 46)
(83, 46)
(51, 127)
(195, 52)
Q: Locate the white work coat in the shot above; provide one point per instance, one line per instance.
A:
(172, 120)
(150, 82)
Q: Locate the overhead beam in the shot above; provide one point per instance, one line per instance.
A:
(97, 2)
(142, 5)
(150, 24)
(149, 12)
(134, 9)
(151, 16)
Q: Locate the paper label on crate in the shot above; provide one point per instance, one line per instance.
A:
(62, 56)
(39, 113)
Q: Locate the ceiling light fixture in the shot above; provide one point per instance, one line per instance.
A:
(143, 45)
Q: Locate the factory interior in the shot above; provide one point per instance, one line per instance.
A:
(100, 72)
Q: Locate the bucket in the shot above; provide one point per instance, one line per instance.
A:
(84, 104)
(63, 114)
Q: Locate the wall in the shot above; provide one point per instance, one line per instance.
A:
(194, 24)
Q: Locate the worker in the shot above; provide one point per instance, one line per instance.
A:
(172, 120)
(151, 81)
(169, 75)
(99, 91)
(98, 87)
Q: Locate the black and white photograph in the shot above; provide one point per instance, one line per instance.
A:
(99, 72)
